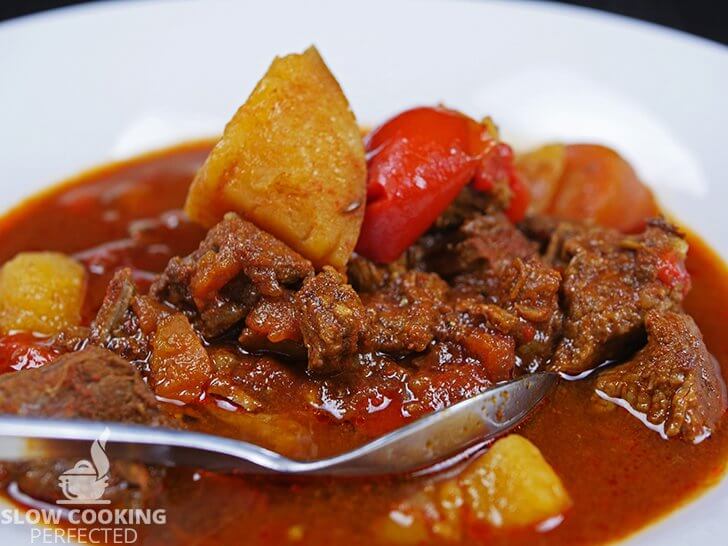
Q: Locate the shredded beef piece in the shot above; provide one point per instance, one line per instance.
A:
(492, 239)
(468, 204)
(366, 276)
(539, 228)
(473, 326)
(235, 246)
(611, 281)
(673, 380)
(235, 300)
(91, 384)
(404, 316)
(495, 259)
(529, 290)
(116, 326)
(223, 278)
(114, 309)
(331, 318)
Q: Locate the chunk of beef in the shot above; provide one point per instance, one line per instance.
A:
(539, 228)
(610, 282)
(673, 380)
(468, 329)
(116, 326)
(497, 260)
(223, 278)
(481, 244)
(492, 240)
(404, 316)
(367, 276)
(529, 291)
(91, 384)
(331, 318)
(468, 204)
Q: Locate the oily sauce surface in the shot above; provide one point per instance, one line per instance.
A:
(619, 474)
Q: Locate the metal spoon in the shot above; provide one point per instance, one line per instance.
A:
(417, 446)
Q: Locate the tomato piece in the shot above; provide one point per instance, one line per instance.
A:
(496, 352)
(587, 182)
(180, 368)
(599, 185)
(672, 271)
(24, 350)
(497, 169)
(417, 164)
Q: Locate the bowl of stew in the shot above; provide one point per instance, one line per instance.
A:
(305, 247)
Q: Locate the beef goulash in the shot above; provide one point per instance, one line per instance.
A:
(303, 288)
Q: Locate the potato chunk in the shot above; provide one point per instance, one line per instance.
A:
(41, 292)
(291, 160)
(512, 485)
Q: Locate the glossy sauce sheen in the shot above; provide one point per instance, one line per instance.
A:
(619, 474)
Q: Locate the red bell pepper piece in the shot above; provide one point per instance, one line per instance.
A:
(417, 164)
(498, 165)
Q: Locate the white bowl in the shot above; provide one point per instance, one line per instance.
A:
(82, 86)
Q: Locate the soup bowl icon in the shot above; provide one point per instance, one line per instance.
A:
(81, 485)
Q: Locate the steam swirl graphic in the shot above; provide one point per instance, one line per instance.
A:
(98, 454)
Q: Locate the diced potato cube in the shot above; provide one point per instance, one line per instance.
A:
(180, 367)
(41, 292)
(449, 502)
(401, 527)
(291, 160)
(512, 485)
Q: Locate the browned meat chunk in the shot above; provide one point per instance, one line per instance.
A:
(90, 384)
(331, 318)
(116, 326)
(610, 282)
(223, 278)
(472, 328)
(497, 260)
(468, 204)
(529, 291)
(491, 239)
(674, 381)
(539, 228)
(367, 276)
(404, 316)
